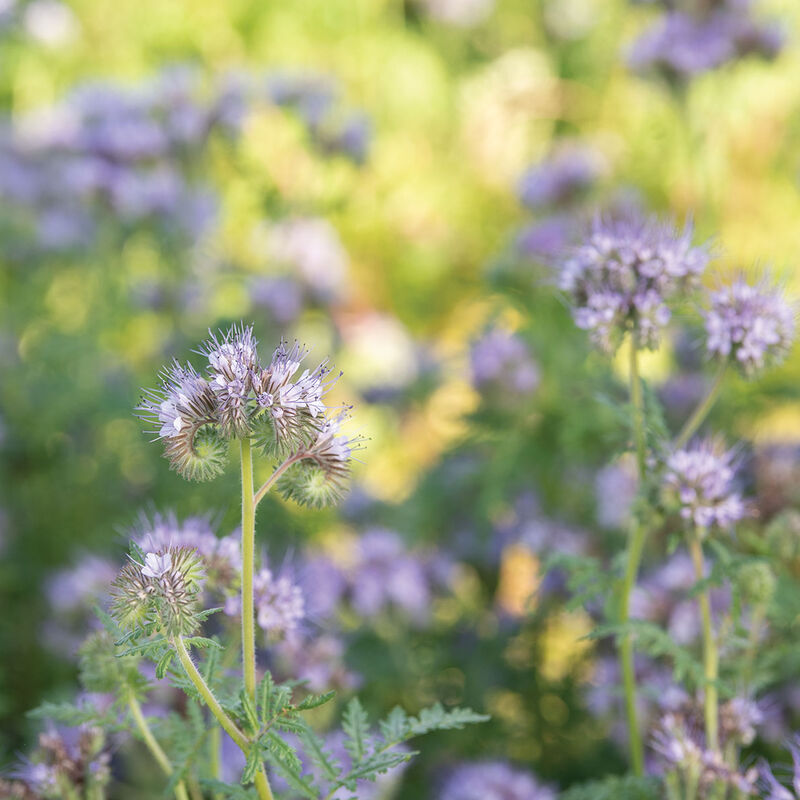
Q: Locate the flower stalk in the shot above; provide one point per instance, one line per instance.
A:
(701, 412)
(248, 567)
(634, 557)
(153, 746)
(710, 654)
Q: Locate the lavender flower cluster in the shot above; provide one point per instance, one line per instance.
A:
(751, 325)
(699, 482)
(622, 276)
(685, 43)
(493, 780)
(503, 368)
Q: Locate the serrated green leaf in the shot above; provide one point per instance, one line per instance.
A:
(355, 724)
(252, 765)
(163, 664)
(249, 709)
(394, 728)
(315, 700)
(315, 750)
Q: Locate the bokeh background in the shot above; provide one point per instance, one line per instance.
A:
(351, 173)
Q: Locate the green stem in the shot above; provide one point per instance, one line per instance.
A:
(635, 549)
(152, 744)
(228, 725)
(710, 657)
(214, 745)
(759, 614)
(701, 412)
(267, 485)
(248, 566)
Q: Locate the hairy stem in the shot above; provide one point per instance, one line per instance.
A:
(268, 484)
(228, 725)
(634, 557)
(701, 412)
(152, 744)
(710, 656)
(248, 566)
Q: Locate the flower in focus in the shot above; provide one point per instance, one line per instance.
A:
(751, 325)
(482, 780)
(622, 276)
(699, 483)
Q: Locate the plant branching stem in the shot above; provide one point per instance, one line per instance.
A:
(248, 567)
(634, 557)
(270, 482)
(701, 412)
(153, 746)
(710, 656)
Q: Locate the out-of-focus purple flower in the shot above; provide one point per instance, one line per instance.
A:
(278, 600)
(750, 325)
(502, 367)
(682, 45)
(324, 585)
(560, 179)
(281, 297)
(615, 488)
(622, 276)
(545, 238)
(493, 780)
(771, 787)
(318, 661)
(311, 247)
(699, 483)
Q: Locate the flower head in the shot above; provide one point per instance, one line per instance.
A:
(699, 482)
(623, 274)
(750, 325)
(559, 179)
(481, 780)
(503, 367)
(185, 411)
(163, 590)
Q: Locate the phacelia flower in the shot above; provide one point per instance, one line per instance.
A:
(185, 409)
(482, 780)
(278, 602)
(699, 483)
(621, 278)
(324, 465)
(163, 590)
(502, 367)
(751, 325)
(559, 179)
(683, 45)
(772, 788)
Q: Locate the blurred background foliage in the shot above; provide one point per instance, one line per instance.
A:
(391, 242)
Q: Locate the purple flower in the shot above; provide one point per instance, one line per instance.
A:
(545, 238)
(682, 45)
(771, 787)
(699, 483)
(559, 179)
(493, 780)
(317, 661)
(502, 366)
(750, 325)
(615, 488)
(622, 276)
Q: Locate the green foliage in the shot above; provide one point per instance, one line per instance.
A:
(627, 787)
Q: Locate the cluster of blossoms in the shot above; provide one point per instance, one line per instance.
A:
(699, 483)
(69, 762)
(332, 129)
(279, 603)
(493, 780)
(502, 367)
(679, 743)
(622, 276)
(126, 150)
(381, 574)
(162, 590)
(559, 180)
(282, 411)
(133, 152)
(555, 186)
(683, 43)
(750, 325)
(311, 267)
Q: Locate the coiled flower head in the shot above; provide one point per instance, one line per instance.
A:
(699, 483)
(320, 476)
(185, 409)
(161, 590)
(753, 326)
(622, 276)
